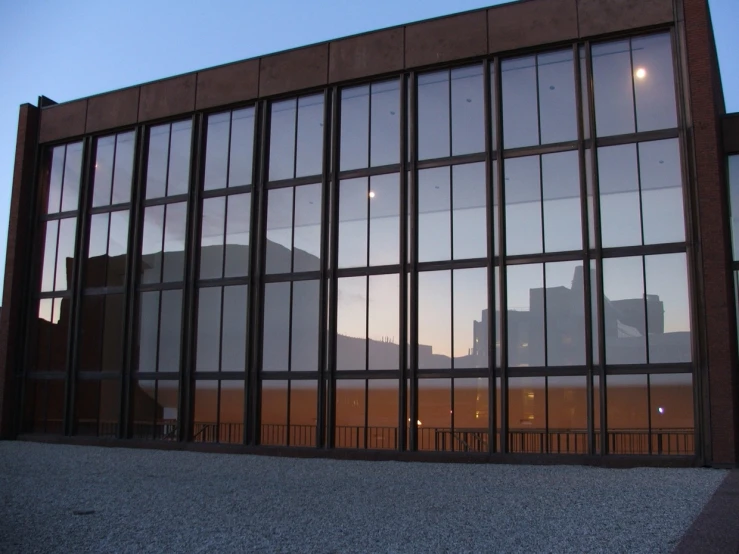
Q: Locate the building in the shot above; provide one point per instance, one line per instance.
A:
(504, 234)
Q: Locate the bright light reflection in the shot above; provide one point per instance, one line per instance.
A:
(641, 73)
(372, 194)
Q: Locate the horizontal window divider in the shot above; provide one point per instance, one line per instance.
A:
(645, 250)
(452, 264)
(166, 200)
(288, 375)
(371, 270)
(345, 374)
(60, 215)
(369, 171)
(219, 375)
(540, 149)
(289, 277)
(568, 256)
(228, 281)
(112, 208)
(644, 136)
(297, 181)
(103, 291)
(451, 160)
(640, 369)
(55, 294)
(156, 376)
(175, 285)
(228, 191)
(554, 371)
(45, 375)
(98, 375)
(461, 373)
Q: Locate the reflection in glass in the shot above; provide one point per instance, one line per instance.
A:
(355, 106)
(567, 411)
(148, 331)
(353, 208)
(155, 416)
(173, 265)
(625, 324)
(229, 149)
(113, 169)
(565, 309)
(382, 322)
(242, 147)
(274, 413)
(627, 412)
(237, 235)
(123, 174)
(384, 123)
(561, 191)
(471, 414)
(661, 191)
(433, 115)
(620, 210)
(49, 257)
(307, 233)
(282, 140)
(103, 184)
(351, 403)
(303, 411)
(672, 416)
(279, 230)
(72, 175)
(209, 329)
(557, 109)
(384, 215)
(211, 238)
(435, 414)
(170, 330)
(304, 345)
(107, 250)
(101, 332)
(156, 172)
(612, 83)
(56, 174)
(520, 105)
(52, 326)
(470, 318)
(434, 217)
(217, 151)
(526, 413)
(97, 408)
(525, 315)
(276, 336)
(523, 206)
(382, 414)
(654, 83)
(351, 323)
(178, 180)
(233, 339)
(65, 253)
(168, 170)
(668, 308)
(309, 157)
(467, 104)
(434, 320)
(468, 215)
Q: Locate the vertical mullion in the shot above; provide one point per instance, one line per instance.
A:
(413, 412)
(403, 253)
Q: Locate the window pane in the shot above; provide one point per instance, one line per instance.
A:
(526, 414)
(209, 329)
(668, 308)
(382, 414)
(307, 235)
(584, 93)
(353, 200)
(211, 238)
(237, 235)
(350, 413)
(148, 331)
(151, 247)
(242, 151)
(525, 316)
(523, 206)
(434, 320)
(97, 408)
(565, 304)
(123, 176)
(470, 305)
(471, 407)
(156, 172)
(382, 322)
(654, 85)
(623, 288)
(351, 323)
(734, 203)
(561, 188)
(354, 127)
(468, 130)
(104, 155)
(469, 217)
(91, 332)
(179, 159)
(65, 253)
(594, 314)
(117, 248)
(619, 196)
(310, 136)
(434, 225)
(174, 242)
(233, 340)
(520, 110)
(673, 420)
(433, 115)
(385, 131)
(97, 250)
(49, 263)
(56, 174)
(72, 174)
(205, 418)
(304, 347)
(303, 412)
(274, 413)
(231, 415)
(628, 414)
(279, 230)
(557, 109)
(661, 191)
(384, 220)
(567, 409)
(612, 83)
(276, 339)
(113, 333)
(170, 330)
(282, 140)
(216, 151)
(435, 414)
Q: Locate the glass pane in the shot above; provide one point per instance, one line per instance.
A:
(97, 408)
(382, 322)
(494, 199)
(170, 330)
(384, 208)
(49, 263)
(307, 234)
(310, 136)
(661, 191)
(527, 414)
(113, 333)
(470, 305)
(96, 268)
(72, 174)
(303, 410)
(56, 174)
(734, 203)
(274, 413)
(231, 415)
(205, 418)
(434, 221)
(493, 106)
(628, 414)
(668, 308)
(433, 115)
(654, 83)
(174, 242)
(276, 339)
(104, 155)
(565, 303)
(91, 332)
(211, 238)
(178, 181)
(471, 409)
(65, 253)
(584, 94)
(156, 172)
(209, 329)
(435, 414)
(151, 246)
(520, 110)
(434, 320)
(353, 200)
(468, 129)
(351, 323)
(242, 153)
(592, 206)
(557, 108)
(612, 83)
(304, 346)
(123, 176)
(385, 122)
(567, 407)
(118, 248)
(619, 196)
(594, 314)
(279, 230)
(673, 420)
(350, 413)
(469, 217)
(59, 331)
(523, 206)
(354, 127)
(216, 151)
(382, 414)
(623, 289)
(282, 140)
(237, 235)
(233, 340)
(525, 316)
(561, 189)
(148, 331)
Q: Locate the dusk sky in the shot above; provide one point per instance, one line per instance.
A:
(67, 50)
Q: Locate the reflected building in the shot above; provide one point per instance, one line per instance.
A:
(485, 250)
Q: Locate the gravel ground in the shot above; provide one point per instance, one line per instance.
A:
(58, 498)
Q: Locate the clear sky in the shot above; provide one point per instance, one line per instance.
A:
(66, 50)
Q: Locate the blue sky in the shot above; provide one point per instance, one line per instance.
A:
(66, 50)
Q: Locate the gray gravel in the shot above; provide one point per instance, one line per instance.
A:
(57, 498)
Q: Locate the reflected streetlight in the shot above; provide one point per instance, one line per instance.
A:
(372, 194)
(641, 73)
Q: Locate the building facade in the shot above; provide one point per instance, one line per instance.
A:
(500, 235)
